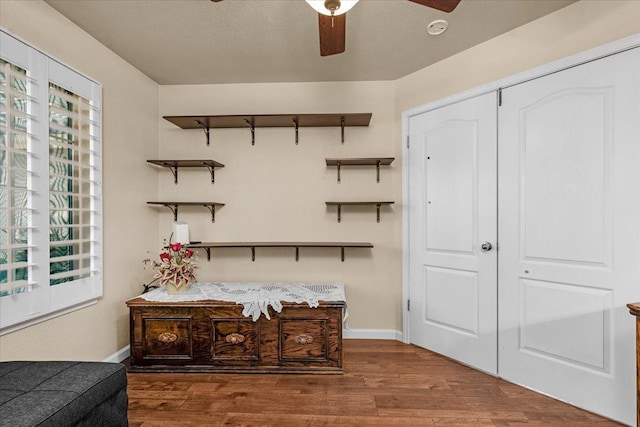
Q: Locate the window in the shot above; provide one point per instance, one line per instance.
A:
(50, 187)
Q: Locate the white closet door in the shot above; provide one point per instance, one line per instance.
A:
(569, 225)
(453, 212)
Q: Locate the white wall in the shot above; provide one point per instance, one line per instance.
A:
(130, 135)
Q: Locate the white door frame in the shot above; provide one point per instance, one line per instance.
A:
(562, 64)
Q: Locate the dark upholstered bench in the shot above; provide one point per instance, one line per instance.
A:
(63, 394)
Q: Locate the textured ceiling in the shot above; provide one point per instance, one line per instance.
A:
(247, 41)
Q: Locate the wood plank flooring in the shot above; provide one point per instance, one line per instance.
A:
(385, 383)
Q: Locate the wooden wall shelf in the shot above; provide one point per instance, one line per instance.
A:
(297, 245)
(377, 204)
(361, 161)
(295, 121)
(174, 207)
(173, 166)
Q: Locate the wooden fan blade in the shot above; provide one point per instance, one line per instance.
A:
(443, 5)
(332, 34)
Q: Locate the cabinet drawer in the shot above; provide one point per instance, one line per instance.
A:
(304, 339)
(167, 338)
(235, 339)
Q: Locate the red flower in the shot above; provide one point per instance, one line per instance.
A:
(188, 253)
(175, 247)
(165, 256)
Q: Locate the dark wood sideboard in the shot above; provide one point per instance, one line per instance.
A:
(634, 309)
(214, 336)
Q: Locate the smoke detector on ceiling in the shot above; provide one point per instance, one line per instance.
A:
(437, 27)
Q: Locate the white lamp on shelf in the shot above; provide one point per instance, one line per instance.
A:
(181, 232)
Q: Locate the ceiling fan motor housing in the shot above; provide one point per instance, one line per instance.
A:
(332, 5)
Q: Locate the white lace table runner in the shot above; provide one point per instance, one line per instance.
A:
(255, 297)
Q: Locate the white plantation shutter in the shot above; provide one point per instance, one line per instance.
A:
(15, 180)
(72, 192)
(50, 187)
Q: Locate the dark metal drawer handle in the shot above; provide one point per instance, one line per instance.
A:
(234, 338)
(167, 337)
(303, 339)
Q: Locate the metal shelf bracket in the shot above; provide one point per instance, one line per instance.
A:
(174, 209)
(174, 171)
(295, 125)
(208, 251)
(211, 171)
(206, 130)
(212, 209)
(253, 131)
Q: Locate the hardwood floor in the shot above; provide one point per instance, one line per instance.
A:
(385, 383)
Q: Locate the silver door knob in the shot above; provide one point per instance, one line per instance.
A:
(486, 247)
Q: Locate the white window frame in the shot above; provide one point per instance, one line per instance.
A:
(44, 301)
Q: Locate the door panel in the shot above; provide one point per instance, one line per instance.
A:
(570, 235)
(568, 323)
(453, 210)
(568, 139)
(451, 299)
(449, 186)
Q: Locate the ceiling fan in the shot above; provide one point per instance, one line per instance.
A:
(332, 20)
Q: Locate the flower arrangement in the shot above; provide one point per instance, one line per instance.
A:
(176, 266)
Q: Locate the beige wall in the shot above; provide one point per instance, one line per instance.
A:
(130, 135)
(274, 190)
(573, 29)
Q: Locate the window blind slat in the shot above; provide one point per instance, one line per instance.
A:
(65, 129)
(16, 246)
(72, 273)
(14, 265)
(72, 242)
(16, 287)
(73, 163)
(80, 257)
(74, 226)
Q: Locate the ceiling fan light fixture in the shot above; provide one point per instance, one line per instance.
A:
(332, 7)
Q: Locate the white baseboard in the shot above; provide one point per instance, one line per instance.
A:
(119, 355)
(372, 334)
